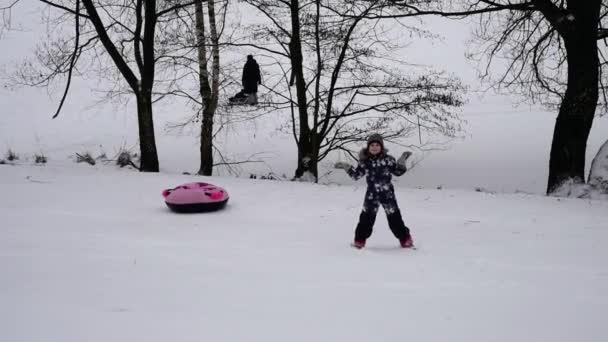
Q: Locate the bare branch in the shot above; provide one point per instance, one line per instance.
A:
(73, 59)
(67, 9)
(175, 8)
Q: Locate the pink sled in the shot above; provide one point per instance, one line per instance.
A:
(196, 198)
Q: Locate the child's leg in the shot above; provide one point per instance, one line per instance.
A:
(365, 225)
(393, 216)
(399, 229)
(367, 217)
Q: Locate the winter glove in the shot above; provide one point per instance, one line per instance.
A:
(363, 154)
(342, 165)
(403, 158)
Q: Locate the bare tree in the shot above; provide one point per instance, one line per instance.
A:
(191, 41)
(346, 82)
(553, 58)
(209, 90)
(6, 9)
(123, 32)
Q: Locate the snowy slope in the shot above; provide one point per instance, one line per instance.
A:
(92, 254)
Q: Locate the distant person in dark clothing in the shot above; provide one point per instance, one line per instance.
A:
(251, 79)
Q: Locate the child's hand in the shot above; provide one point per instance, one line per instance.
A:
(363, 154)
(342, 165)
(404, 157)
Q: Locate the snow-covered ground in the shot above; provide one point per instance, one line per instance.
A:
(92, 254)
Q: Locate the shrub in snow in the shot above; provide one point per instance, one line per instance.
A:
(125, 158)
(40, 159)
(85, 158)
(484, 190)
(268, 176)
(11, 155)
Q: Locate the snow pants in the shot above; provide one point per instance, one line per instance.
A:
(373, 199)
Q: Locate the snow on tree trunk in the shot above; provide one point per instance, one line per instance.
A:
(598, 174)
(597, 183)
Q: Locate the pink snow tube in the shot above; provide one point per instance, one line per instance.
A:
(195, 198)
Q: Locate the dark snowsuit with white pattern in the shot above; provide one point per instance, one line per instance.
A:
(378, 171)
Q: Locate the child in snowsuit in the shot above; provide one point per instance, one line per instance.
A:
(378, 166)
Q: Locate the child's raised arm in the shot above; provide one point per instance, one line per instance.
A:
(398, 167)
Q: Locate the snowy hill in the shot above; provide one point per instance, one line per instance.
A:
(93, 254)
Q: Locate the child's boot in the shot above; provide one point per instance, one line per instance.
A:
(358, 244)
(407, 242)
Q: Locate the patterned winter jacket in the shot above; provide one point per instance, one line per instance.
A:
(379, 170)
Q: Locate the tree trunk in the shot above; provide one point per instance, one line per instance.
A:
(573, 123)
(147, 141)
(307, 160)
(206, 149)
(209, 92)
(146, 63)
